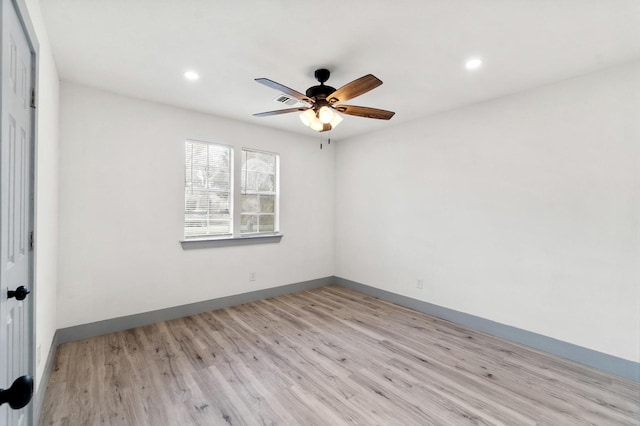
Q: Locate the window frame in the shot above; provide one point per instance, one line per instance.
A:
(276, 214)
(236, 237)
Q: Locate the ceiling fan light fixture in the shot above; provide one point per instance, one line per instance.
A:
(325, 114)
(308, 117)
(335, 120)
(317, 125)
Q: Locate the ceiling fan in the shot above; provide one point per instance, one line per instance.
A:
(324, 101)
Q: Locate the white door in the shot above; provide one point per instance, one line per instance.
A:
(16, 212)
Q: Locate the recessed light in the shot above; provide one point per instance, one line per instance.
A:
(191, 75)
(473, 64)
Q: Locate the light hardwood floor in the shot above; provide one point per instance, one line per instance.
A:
(328, 356)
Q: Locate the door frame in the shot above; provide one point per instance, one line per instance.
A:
(24, 17)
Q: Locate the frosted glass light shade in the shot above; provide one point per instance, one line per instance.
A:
(325, 115)
(335, 120)
(317, 125)
(308, 117)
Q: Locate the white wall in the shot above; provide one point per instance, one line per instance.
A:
(122, 206)
(524, 210)
(46, 199)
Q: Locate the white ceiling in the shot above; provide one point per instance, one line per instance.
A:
(416, 47)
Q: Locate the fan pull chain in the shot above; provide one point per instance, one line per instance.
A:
(328, 140)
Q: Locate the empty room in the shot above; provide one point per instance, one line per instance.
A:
(320, 213)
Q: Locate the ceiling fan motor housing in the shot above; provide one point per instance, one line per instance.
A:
(320, 91)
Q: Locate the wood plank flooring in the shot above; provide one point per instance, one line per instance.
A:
(328, 356)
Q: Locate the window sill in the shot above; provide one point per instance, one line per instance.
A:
(198, 243)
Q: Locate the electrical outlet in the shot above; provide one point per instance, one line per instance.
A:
(38, 354)
(420, 284)
(252, 276)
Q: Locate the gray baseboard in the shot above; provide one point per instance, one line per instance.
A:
(601, 361)
(84, 331)
(43, 382)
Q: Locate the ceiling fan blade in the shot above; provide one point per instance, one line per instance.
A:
(367, 112)
(279, 111)
(355, 88)
(284, 89)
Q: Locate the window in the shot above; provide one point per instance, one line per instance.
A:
(207, 189)
(259, 192)
(210, 197)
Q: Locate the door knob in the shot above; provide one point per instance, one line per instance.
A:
(19, 293)
(19, 394)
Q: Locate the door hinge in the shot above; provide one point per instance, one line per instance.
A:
(33, 98)
(31, 240)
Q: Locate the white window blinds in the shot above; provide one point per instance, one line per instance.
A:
(208, 189)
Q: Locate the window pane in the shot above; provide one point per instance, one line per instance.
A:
(255, 181)
(218, 156)
(248, 180)
(198, 177)
(218, 227)
(260, 161)
(218, 179)
(250, 204)
(265, 182)
(249, 224)
(265, 223)
(199, 155)
(267, 204)
(218, 203)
